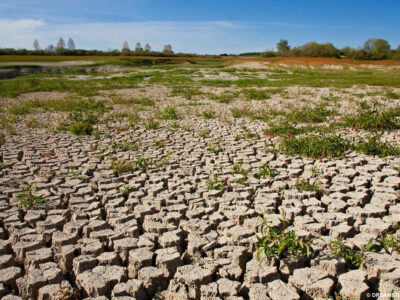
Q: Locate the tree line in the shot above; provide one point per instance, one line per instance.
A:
(69, 48)
(373, 49)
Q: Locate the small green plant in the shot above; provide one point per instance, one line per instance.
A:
(253, 94)
(303, 185)
(278, 242)
(214, 148)
(396, 168)
(314, 172)
(317, 114)
(208, 114)
(390, 242)
(354, 259)
(28, 197)
(122, 166)
(248, 134)
(124, 190)
(33, 123)
(174, 127)
(159, 143)
(152, 124)
(19, 109)
(81, 128)
(265, 171)
(238, 138)
(214, 183)
(125, 145)
(204, 133)
(169, 113)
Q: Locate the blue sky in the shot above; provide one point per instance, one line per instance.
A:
(201, 26)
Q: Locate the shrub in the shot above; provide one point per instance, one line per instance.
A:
(278, 242)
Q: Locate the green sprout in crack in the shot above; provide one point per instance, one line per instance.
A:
(28, 197)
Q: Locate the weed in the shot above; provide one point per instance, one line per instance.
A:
(214, 148)
(125, 191)
(265, 170)
(208, 114)
(303, 185)
(392, 95)
(152, 124)
(174, 127)
(159, 143)
(28, 197)
(278, 242)
(204, 133)
(354, 259)
(81, 128)
(390, 242)
(214, 183)
(125, 145)
(122, 166)
(169, 113)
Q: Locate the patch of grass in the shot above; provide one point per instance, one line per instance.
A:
(80, 123)
(169, 113)
(125, 145)
(253, 94)
(392, 95)
(278, 242)
(246, 112)
(303, 185)
(208, 114)
(134, 101)
(29, 197)
(185, 91)
(354, 259)
(225, 97)
(19, 109)
(33, 123)
(122, 166)
(390, 242)
(372, 119)
(248, 134)
(174, 127)
(152, 124)
(373, 146)
(80, 128)
(317, 114)
(315, 146)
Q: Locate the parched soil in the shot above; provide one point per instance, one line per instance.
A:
(182, 223)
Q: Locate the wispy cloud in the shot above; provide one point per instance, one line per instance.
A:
(184, 36)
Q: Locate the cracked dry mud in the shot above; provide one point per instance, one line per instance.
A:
(173, 238)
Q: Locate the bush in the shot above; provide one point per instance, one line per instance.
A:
(28, 197)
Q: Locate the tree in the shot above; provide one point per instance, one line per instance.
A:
(71, 44)
(167, 48)
(138, 47)
(36, 45)
(60, 44)
(283, 47)
(50, 48)
(147, 48)
(377, 48)
(125, 49)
